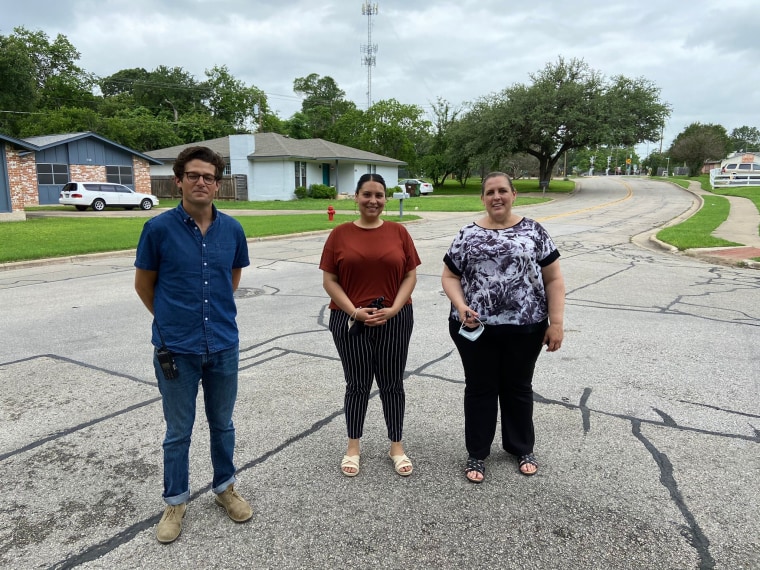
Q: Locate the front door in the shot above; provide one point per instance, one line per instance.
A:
(326, 173)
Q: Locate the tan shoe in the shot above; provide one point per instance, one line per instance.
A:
(170, 524)
(237, 507)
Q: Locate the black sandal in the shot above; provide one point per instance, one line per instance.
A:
(528, 459)
(475, 465)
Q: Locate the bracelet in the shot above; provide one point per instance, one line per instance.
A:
(353, 317)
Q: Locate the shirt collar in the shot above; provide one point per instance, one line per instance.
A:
(186, 218)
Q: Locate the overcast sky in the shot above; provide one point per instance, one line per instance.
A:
(702, 54)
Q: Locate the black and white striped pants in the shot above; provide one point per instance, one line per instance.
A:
(378, 353)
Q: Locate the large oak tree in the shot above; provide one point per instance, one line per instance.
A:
(568, 105)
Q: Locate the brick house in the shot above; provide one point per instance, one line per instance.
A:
(33, 170)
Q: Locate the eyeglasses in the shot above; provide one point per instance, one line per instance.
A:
(194, 176)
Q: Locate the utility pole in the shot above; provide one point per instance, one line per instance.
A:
(369, 49)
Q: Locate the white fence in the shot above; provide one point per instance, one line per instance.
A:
(718, 180)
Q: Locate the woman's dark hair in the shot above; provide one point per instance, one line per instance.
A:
(494, 175)
(370, 177)
(203, 153)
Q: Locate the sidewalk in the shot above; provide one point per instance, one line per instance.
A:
(740, 227)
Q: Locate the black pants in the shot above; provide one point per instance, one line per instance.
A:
(378, 353)
(498, 371)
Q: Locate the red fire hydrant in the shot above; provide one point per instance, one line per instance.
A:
(330, 213)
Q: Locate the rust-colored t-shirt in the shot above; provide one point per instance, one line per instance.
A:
(369, 263)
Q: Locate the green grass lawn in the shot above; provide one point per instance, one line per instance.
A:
(39, 238)
(696, 231)
(458, 199)
(55, 237)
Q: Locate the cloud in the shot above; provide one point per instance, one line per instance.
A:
(459, 51)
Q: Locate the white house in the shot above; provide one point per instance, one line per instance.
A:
(274, 165)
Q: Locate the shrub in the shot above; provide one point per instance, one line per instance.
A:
(389, 192)
(322, 192)
(301, 192)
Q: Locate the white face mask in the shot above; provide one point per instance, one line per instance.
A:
(472, 334)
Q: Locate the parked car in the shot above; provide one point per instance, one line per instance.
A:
(740, 168)
(99, 195)
(425, 187)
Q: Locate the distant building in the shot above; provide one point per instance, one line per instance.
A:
(33, 170)
(741, 161)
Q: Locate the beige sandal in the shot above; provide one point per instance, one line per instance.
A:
(352, 462)
(401, 461)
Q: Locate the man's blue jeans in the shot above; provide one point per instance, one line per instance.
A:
(218, 373)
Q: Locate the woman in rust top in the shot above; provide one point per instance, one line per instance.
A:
(370, 270)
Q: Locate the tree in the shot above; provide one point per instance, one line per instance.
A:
(633, 111)
(435, 161)
(123, 82)
(458, 153)
(324, 103)
(60, 120)
(569, 106)
(271, 123)
(18, 90)
(201, 125)
(39, 75)
(348, 130)
(697, 143)
(140, 129)
(60, 81)
(654, 162)
(518, 165)
(231, 102)
(474, 142)
(746, 139)
(167, 91)
(394, 129)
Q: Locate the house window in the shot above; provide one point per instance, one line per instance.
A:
(52, 173)
(119, 174)
(300, 174)
(372, 169)
(227, 170)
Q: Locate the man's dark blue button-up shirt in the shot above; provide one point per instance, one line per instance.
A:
(193, 306)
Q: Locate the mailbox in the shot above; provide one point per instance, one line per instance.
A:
(400, 197)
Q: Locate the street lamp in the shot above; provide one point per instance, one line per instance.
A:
(667, 170)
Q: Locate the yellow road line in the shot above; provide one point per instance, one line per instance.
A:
(628, 196)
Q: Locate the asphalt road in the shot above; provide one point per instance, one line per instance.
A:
(648, 421)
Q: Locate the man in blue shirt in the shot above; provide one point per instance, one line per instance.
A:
(189, 262)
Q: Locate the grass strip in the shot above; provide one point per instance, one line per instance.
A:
(696, 231)
(40, 238)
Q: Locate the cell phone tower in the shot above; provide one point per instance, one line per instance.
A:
(369, 49)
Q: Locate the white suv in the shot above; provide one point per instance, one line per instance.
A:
(98, 195)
